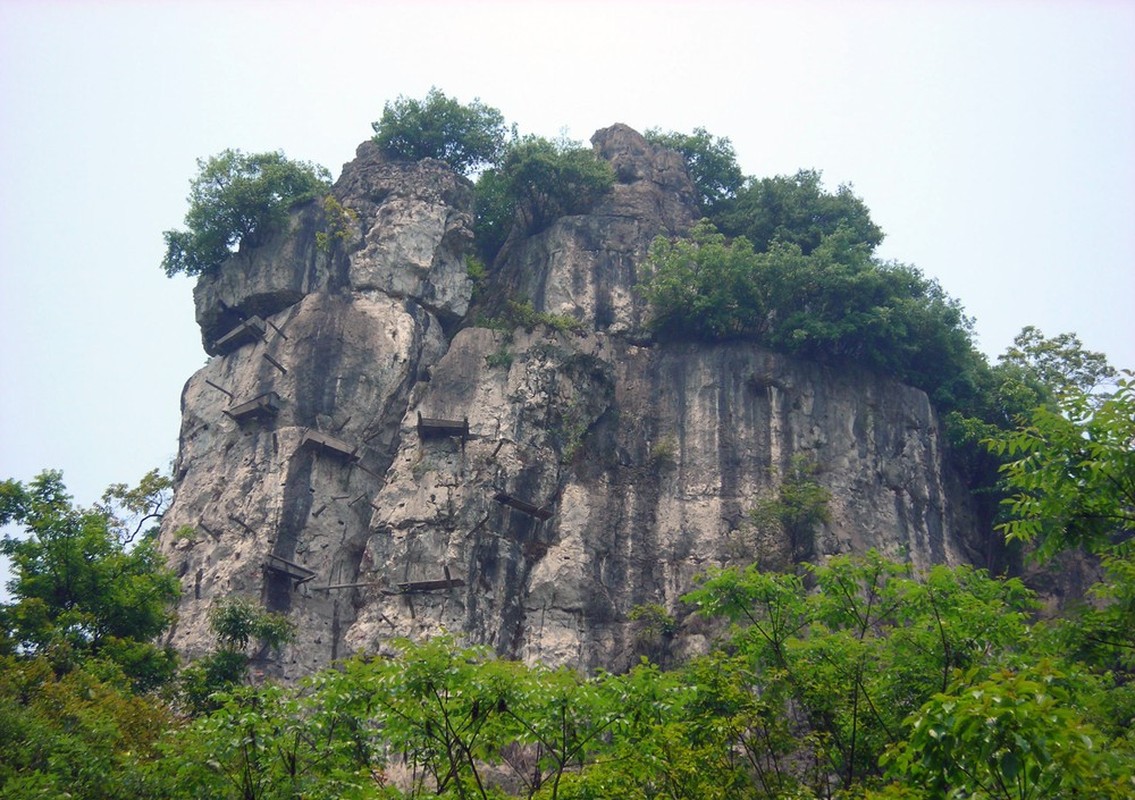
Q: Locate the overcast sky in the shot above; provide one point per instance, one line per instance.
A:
(994, 142)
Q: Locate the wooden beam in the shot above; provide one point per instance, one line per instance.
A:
(429, 427)
(505, 499)
(275, 363)
(220, 389)
(297, 572)
(410, 587)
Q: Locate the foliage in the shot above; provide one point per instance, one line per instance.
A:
(654, 627)
(798, 509)
(1034, 371)
(1071, 477)
(1059, 364)
(664, 453)
(236, 623)
(1102, 635)
(852, 660)
(79, 591)
(501, 358)
(464, 136)
(796, 210)
(875, 682)
(833, 304)
(706, 288)
(274, 742)
(339, 221)
(235, 202)
(711, 161)
(538, 181)
(1014, 735)
(81, 734)
(494, 213)
(521, 314)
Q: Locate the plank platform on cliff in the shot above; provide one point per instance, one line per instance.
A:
(263, 406)
(448, 582)
(329, 444)
(251, 330)
(282, 566)
(432, 427)
(505, 499)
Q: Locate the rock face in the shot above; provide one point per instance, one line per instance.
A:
(355, 458)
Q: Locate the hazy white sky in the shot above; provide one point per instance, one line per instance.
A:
(994, 142)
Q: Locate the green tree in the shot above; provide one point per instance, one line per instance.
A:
(235, 202)
(494, 213)
(538, 181)
(1060, 364)
(834, 304)
(796, 210)
(464, 136)
(79, 590)
(1014, 735)
(798, 509)
(847, 663)
(704, 287)
(236, 623)
(311, 741)
(82, 734)
(1071, 472)
(712, 164)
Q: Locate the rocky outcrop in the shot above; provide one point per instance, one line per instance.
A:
(638, 465)
(403, 231)
(355, 459)
(586, 266)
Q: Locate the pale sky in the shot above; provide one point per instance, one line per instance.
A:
(994, 142)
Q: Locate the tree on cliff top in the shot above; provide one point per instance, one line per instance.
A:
(712, 164)
(798, 210)
(234, 202)
(464, 136)
(538, 181)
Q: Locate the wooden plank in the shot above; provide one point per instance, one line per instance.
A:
(329, 444)
(277, 330)
(409, 587)
(221, 389)
(505, 499)
(300, 574)
(264, 406)
(434, 427)
(251, 330)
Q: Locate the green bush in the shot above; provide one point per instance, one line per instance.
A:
(463, 136)
(235, 202)
(795, 210)
(834, 304)
(712, 164)
(539, 181)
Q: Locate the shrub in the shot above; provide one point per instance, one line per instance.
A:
(235, 201)
(463, 136)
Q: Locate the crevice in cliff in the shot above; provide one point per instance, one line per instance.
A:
(294, 509)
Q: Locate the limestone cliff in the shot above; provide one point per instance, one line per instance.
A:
(358, 455)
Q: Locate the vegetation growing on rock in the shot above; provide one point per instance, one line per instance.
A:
(235, 201)
(856, 677)
(466, 137)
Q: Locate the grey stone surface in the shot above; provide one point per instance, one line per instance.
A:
(626, 467)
